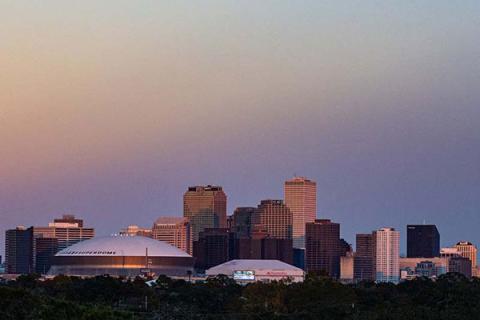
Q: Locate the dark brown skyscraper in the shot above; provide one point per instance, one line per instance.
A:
(205, 207)
(261, 246)
(19, 250)
(460, 265)
(212, 248)
(322, 247)
(364, 260)
(242, 222)
(275, 217)
(45, 249)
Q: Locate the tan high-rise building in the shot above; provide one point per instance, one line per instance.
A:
(175, 231)
(67, 230)
(301, 198)
(275, 217)
(468, 250)
(387, 255)
(205, 207)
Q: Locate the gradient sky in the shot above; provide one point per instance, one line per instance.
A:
(110, 109)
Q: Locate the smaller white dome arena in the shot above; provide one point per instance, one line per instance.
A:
(122, 256)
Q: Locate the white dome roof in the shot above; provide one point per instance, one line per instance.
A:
(132, 246)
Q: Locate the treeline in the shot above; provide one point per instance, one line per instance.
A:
(452, 296)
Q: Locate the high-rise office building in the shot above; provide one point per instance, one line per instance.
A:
(449, 253)
(45, 250)
(174, 230)
(468, 250)
(205, 207)
(301, 198)
(275, 217)
(242, 222)
(461, 265)
(19, 251)
(211, 248)
(68, 230)
(423, 241)
(387, 255)
(260, 246)
(364, 269)
(322, 247)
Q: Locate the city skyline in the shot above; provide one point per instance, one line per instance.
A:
(109, 110)
(402, 230)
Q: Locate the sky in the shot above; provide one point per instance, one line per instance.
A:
(109, 110)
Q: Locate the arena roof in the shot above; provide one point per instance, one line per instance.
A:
(131, 246)
(229, 267)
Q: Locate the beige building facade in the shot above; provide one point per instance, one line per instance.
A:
(175, 231)
(300, 196)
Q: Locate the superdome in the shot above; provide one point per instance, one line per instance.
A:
(122, 256)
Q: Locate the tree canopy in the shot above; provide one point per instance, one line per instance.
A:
(452, 296)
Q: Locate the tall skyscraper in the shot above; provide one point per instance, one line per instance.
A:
(275, 217)
(387, 255)
(68, 230)
(301, 198)
(242, 222)
(364, 260)
(322, 247)
(212, 248)
(174, 230)
(468, 250)
(423, 241)
(205, 207)
(19, 251)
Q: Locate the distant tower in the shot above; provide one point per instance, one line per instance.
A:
(205, 207)
(45, 249)
(387, 255)
(322, 247)
(67, 230)
(242, 221)
(468, 250)
(175, 231)
(275, 217)
(19, 251)
(423, 241)
(363, 266)
(212, 248)
(301, 198)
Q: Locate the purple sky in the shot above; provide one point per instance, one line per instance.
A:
(110, 110)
